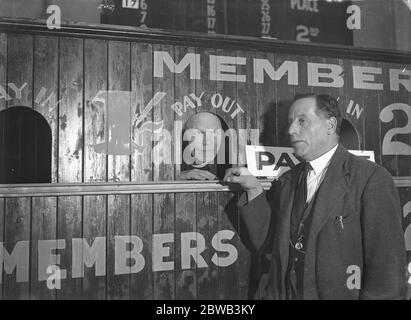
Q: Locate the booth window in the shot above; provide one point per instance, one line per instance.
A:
(25, 146)
(349, 136)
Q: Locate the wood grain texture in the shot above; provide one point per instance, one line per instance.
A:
(369, 120)
(141, 219)
(71, 111)
(2, 224)
(3, 68)
(94, 225)
(17, 230)
(246, 98)
(43, 227)
(46, 93)
(119, 80)
(118, 224)
(402, 120)
(141, 95)
(95, 115)
(20, 69)
(185, 203)
(164, 204)
(207, 225)
(206, 202)
(69, 226)
(388, 161)
(228, 286)
(141, 283)
(266, 105)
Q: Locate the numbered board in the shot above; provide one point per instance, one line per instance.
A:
(307, 21)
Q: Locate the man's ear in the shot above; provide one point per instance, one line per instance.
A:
(332, 125)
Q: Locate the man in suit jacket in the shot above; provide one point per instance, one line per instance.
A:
(348, 241)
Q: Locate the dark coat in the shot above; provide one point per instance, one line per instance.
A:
(364, 196)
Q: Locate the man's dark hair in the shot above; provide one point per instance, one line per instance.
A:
(326, 105)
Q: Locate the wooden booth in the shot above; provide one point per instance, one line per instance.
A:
(90, 138)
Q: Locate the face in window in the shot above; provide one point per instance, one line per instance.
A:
(204, 131)
(309, 130)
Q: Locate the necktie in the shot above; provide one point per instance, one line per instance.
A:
(300, 199)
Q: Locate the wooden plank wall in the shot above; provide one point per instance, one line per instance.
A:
(63, 75)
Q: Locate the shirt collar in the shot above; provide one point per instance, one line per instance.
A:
(320, 163)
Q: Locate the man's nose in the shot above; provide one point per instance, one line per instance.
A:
(292, 129)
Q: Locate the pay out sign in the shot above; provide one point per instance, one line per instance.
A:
(272, 162)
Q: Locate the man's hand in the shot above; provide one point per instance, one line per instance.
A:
(246, 180)
(197, 174)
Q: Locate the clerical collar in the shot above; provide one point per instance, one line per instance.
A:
(320, 163)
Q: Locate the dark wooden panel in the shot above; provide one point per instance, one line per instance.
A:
(228, 287)
(164, 210)
(17, 232)
(71, 110)
(403, 120)
(357, 96)
(267, 105)
(69, 226)
(206, 203)
(405, 199)
(43, 227)
(185, 221)
(389, 161)
(246, 98)
(46, 93)
(207, 225)
(3, 69)
(94, 225)
(283, 95)
(185, 203)
(119, 80)
(118, 224)
(95, 126)
(20, 69)
(2, 224)
(141, 283)
(142, 94)
(371, 104)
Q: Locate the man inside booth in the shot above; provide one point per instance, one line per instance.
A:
(332, 224)
(202, 143)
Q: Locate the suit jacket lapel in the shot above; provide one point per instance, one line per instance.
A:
(283, 229)
(330, 199)
(330, 195)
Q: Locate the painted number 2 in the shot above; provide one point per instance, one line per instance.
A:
(388, 145)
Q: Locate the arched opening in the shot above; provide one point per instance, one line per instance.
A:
(348, 136)
(25, 146)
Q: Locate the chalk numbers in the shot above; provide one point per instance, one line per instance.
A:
(211, 16)
(130, 4)
(143, 11)
(304, 33)
(390, 147)
(265, 18)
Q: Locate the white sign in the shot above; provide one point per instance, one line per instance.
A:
(272, 162)
(269, 161)
(131, 4)
(369, 155)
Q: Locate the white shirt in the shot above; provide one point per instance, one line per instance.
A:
(317, 174)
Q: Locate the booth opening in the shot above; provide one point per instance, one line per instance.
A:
(25, 146)
(348, 136)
